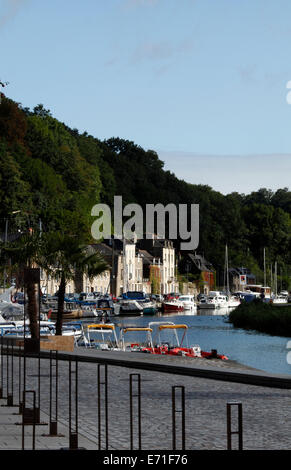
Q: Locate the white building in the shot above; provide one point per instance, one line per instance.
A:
(100, 283)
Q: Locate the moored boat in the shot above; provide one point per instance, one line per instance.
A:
(132, 302)
(151, 310)
(100, 336)
(233, 301)
(279, 299)
(176, 346)
(136, 345)
(188, 302)
(172, 305)
(214, 300)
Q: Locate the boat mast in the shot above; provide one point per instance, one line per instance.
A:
(276, 288)
(226, 276)
(124, 267)
(265, 267)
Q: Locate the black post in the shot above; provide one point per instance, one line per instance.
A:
(32, 422)
(239, 430)
(1, 367)
(105, 383)
(138, 396)
(73, 433)
(174, 412)
(19, 381)
(54, 420)
(10, 385)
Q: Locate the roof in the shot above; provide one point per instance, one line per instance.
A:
(239, 271)
(103, 249)
(200, 262)
(147, 257)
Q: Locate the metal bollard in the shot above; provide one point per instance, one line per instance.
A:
(10, 376)
(174, 412)
(239, 431)
(1, 367)
(138, 396)
(73, 434)
(32, 412)
(53, 425)
(105, 383)
(19, 381)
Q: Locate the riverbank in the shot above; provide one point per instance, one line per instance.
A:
(262, 317)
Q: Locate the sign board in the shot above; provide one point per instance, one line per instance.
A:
(243, 280)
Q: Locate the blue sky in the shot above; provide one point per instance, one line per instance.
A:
(202, 82)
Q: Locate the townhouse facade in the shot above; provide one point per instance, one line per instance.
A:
(146, 265)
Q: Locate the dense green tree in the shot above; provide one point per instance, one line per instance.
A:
(52, 173)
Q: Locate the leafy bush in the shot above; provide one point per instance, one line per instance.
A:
(263, 317)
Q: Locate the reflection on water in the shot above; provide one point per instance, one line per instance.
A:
(211, 330)
(200, 312)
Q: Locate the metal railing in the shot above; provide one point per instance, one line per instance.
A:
(50, 383)
(27, 370)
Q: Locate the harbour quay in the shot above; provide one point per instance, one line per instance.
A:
(119, 401)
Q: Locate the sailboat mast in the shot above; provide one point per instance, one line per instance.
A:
(276, 282)
(226, 277)
(265, 282)
(124, 267)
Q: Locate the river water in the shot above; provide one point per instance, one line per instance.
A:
(212, 331)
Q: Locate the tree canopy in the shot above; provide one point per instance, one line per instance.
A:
(55, 174)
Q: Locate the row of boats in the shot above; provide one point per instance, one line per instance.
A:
(139, 303)
(214, 300)
(162, 338)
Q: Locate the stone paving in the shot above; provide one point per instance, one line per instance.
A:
(266, 411)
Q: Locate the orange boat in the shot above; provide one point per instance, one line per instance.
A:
(179, 349)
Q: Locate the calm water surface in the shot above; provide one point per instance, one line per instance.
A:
(211, 331)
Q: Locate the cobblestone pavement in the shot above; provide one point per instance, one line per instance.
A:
(266, 411)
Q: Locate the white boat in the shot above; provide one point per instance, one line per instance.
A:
(233, 301)
(214, 301)
(100, 336)
(208, 302)
(280, 299)
(11, 311)
(136, 344)
(188, 302)
(128, 307)
(19, 329)
(133, 302)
